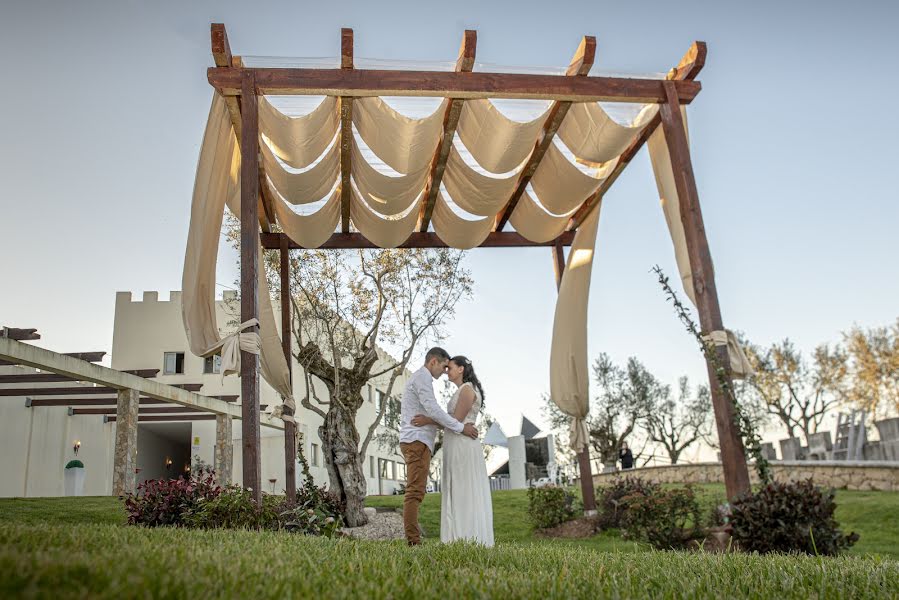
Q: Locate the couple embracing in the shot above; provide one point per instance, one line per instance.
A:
(466, 510)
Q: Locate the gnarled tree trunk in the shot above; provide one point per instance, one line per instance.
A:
(340, 445)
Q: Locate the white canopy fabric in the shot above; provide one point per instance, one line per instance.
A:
(475, 192)
(302, 187)
(298, 141)
(535, 223)
(404, 143)
(496, 142)
(455, 231)
(592, 135)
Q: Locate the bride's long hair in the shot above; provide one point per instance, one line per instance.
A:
(468, 375)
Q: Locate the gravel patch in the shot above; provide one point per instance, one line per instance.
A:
(381, 526)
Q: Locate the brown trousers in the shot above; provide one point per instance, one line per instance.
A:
(418, 462)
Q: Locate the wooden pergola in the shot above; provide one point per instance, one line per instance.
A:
(241, 86)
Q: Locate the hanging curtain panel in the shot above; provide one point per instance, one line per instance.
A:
(569, 375)
(475, 192)
(306, 186)
(312, 230)
(592, 135)
(385, 194)
(455, 231)
(383, 231)
(496, 142)
(407, 145)
(533, 222)
(561, 186)
(299, 141)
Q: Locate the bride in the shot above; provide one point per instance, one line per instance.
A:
(466, 508)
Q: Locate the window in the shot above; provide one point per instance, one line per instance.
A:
(371, 393)
(380, 395)
(371, 467)
(314, 455)
(173, 363)
(212, 364)
(401, 471)
(382, 468)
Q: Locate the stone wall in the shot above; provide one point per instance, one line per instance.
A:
(849, 475)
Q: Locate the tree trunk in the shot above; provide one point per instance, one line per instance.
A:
(340, 442)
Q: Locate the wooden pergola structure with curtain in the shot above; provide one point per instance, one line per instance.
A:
(242, 86)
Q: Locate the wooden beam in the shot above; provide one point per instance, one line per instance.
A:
(346, 132)
(33, 356)
(49, 402)
(496, 239)
(249, 273)
(464, 64)
(290, 435)
(579, 67)
(371, 82)
(93, 357)
(89, 390)
(51, 377)
(165, 418)
(733, 454)
(151, 410)
(687, 69)
(14, 333)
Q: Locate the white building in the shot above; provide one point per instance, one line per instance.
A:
(37, 442)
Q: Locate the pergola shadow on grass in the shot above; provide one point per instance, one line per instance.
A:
(238, 168)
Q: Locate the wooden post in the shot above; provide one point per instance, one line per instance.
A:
(223, 453)
(733, 455)
(290, 429)
(124, 477)
(583, 457)
(249, 282)
(346, 132)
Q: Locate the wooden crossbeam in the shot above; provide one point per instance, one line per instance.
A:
(64, 391)
(153, 410)
(93, 357)
(51, 377)
(688, 68)
(464, 64)
(346, 132)
(372, 82)
(579, 67)
(164, 418)
(15, 333)
(49, 402)
(344, 241)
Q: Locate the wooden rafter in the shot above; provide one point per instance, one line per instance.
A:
(164, 418)
(51, 377)
(688, 68)
(46, 402)
(22, 335)
(87, 390)
(506, 239)
(93, 357)
(579, 67)
(346, 132)
(153, 410)
(464, 64)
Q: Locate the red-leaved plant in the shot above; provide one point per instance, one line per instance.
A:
(167, 501)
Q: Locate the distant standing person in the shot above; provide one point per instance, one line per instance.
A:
(626, 456)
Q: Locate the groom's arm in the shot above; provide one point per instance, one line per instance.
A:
(429, 402)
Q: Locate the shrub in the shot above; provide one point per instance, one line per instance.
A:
(317, 511)
(235, 508)
(550, 506)
(609, 499)
(789, 517)
(75, 464)
(667, 519)
(167, 501)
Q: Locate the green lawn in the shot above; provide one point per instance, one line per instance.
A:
(77, 548)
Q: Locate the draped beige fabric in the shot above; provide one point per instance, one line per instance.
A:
(407, 145)
(306, 186)
(455, 231)
(591, 134)
(218, 184)
(533, 222)
(475, 192)
(312, 230)
(561, 186)
(496, 142)
(383, 231)
(298, 141)
(385, 194)
(740, 367)
(569, 377)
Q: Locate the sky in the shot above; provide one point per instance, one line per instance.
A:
(104, 106)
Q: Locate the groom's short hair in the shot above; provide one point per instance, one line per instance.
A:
(438, 353)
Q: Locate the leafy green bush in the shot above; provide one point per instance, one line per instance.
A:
(235, 508)
(667, 519)
(75, 464)
(168, 501)
(550, 506)
(609, 499)
(789, 517)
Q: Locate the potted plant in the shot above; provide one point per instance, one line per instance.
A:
(74, 478)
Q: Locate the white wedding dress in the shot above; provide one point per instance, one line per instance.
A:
(466, 507)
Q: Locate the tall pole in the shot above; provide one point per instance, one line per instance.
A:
(583, 457)
(733, 454)
(290, 435)
(249, 282)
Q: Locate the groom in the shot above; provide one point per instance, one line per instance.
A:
(417, 443)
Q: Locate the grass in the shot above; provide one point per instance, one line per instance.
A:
(75, 548)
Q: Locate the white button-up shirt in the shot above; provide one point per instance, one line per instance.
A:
(419, 399)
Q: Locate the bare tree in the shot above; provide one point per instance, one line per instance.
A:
(678, 424)
(799, 395)
(347, 305)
